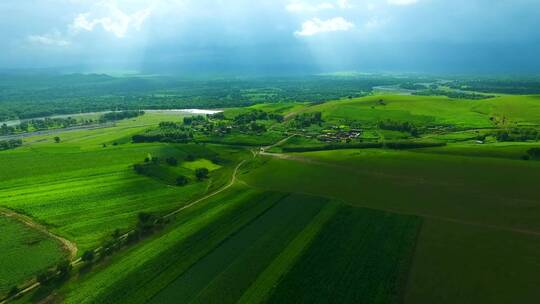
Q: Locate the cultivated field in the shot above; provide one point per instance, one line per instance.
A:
(415, 199)
(25, 252)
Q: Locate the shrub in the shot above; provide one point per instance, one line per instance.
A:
(201, 173)
(534, 153)
(172, 161)
(13, 291)
(88, 256)
(10, 144)
(181, 180)
(46, 277)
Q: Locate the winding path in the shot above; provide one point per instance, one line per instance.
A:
(72, 248)
(69, 246)
(230, 184)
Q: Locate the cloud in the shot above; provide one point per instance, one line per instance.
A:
(402, 2)
(316, 26)
(374, 23)
(52, 40)
(113, 20)
(343, 4)
(297, 6)
(303, 7)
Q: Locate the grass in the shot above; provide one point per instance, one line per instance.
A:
(200, 163)
(415, 109)
(274, 236)
(360, 256)
(24, 253)
(142, 271)
(222, 275)
(434, 110)
(481, 212)
(84, 191)
(259, 291)
(490, 191)
(457, 263)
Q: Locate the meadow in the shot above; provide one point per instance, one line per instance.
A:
(25, 252)
(419, 195)
(222, 275)
(475, 210)
(84, 188)
(360, 256)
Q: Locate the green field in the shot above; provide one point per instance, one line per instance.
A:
(222, 275)
(430, 110)
(476, 209)
(85, 191)
(360, 256)
(25, 251)
(402, 199)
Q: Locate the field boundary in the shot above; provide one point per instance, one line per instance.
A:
(72, 248)
(68, 246)
(307, 160)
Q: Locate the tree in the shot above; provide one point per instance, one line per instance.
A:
(181, 180)
(63, 269)
(146, 223)
(219, 115)
(13, 291)
(172, 161)
(144, 217)
(56, 139)
(45, 277)
(88, 256)
(201, 173)
(534, 152)
(138, 168)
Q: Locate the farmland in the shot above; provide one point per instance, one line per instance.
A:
(269, 152)
(24, 252)
(472, 218)
(376, 199)
(360, 256)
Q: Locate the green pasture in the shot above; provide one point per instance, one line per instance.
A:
(470, 263)
(84, 190)
(432, 225)
(477, 189)
(222, 275)
(480, 212)
(138, 274)
(23, 253)
(432, 110)
(200, 163)
(360, 256)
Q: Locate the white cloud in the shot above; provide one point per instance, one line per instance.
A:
(343, 4)
(53, 40)
(297, 6)
(316, 26)
(402, 2)
(375, 22)
(303, 7)
(112, 20)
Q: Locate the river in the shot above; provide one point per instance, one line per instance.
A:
(11, 123)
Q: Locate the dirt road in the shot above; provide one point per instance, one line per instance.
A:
(69, 246)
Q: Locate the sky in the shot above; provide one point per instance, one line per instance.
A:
(271, 36)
